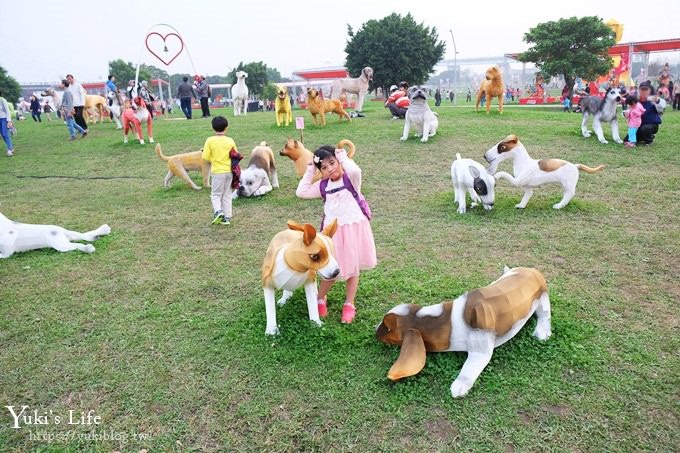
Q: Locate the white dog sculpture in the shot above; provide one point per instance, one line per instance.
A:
(240, 94)
(471, 177)
(358, 86)
(20, 237)
(530, 173)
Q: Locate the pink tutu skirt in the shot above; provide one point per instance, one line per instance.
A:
(354, 249)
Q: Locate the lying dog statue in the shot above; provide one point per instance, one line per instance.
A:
(293, 259)
(260, 176)
(476, 322)
(21, 237)
(530, 173)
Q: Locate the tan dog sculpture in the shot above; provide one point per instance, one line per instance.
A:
(476, 322)
(94, 108)
(180, 164)
(319, 107)
(301, 156)
(282, 107)
(492, 86)
(293, 259)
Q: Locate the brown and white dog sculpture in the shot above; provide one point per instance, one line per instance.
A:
(260, 176)
(293, 259)
(476, 322)
(530, 173)
(301, 156)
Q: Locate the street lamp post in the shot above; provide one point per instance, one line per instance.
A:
(455, 62)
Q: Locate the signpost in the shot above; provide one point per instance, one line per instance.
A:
(300, 125)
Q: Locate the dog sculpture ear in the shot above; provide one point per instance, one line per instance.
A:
(506, 269)
(411, 358)
(473, 171)
(309, 234)
(329, 230)
(295, 226)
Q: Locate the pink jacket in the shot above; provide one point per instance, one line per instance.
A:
(634, 115)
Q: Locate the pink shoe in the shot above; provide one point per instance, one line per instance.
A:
(348, 313)
(321, 304)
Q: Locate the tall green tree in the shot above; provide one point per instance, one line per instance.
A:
(257, 76)
(269, 91)
(396, 47)
(10, 88)
(573, 47)
(125, 71)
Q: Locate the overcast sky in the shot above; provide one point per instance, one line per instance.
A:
(42, 41)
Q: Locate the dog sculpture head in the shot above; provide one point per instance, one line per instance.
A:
(417, 95)
(615, 94)
(417, 330)
(367, 72)
(281, 91)
(312, 93)
(501, 151)
(253, 177)
(493, 73)
(484, 185)
(294, 150)
(241, 75)
(312, 251)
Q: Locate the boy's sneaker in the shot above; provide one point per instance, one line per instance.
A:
(10, 153)
(84, 134)
(348, 313)
(218, 218)
(225, 221)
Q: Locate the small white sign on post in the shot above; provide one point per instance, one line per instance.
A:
(300, 125)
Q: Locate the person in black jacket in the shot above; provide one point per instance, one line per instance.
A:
(36, 109)
(185, 93)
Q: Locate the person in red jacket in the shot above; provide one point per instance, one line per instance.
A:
(398, 102)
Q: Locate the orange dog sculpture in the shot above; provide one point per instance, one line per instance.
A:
(301, 156)
(319, 107)
(180, 164)
(491, 87)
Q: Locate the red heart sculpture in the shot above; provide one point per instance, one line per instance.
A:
(164, 38)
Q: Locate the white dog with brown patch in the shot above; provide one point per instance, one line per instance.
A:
(255, 180)
(476, 322)
(293, 259)
(530, 173)
(21, 237)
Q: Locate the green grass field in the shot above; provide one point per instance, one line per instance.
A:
(161, 331)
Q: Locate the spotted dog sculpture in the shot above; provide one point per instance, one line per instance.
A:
(477, 322)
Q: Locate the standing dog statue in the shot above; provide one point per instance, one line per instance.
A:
(116, 107)
(358, 86)
(133, 116)
(282, 107)
(301, 156)
(255, 180)
(491, 87)
(530, 173)
(471, 177)
(420, 116)
(180, 164)
(94, 108)
(21, 237)
(603, 110)
(319, 107)
(476, 322)
(293, 259)
(240, 94)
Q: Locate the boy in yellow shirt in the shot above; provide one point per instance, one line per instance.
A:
(217, 151)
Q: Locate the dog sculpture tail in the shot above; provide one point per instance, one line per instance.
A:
(160, 154)
(352, 149)
(457, 156)
(588, 169)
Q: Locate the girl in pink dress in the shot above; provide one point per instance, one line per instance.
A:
(353, 240)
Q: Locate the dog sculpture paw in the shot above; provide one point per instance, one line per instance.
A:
(541, 332)
(619, 141)
(403, 139)
(520, 206)
(586, 134)
(461, 210)
(459, 389)
(604, 142)
(89, 248)
(272, 330)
